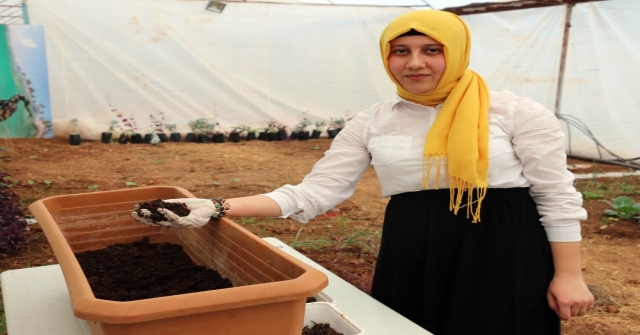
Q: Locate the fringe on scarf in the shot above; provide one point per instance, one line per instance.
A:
(457, 188)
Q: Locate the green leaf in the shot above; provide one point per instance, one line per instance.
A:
(610, 212)
(622, 201)
(92, 187)
(131, 183)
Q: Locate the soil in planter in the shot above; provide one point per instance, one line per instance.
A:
(141, 270)
(319, 329)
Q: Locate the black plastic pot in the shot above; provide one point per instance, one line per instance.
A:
(106, 137)
(273, 137)
(191, 137)
(333, 132)
(251, 136)
(163, 137)
(234, 137)
(147, 138)
(303, 135)
(203, 138)
(175, 137)
(282, 135)
(218, 138)
(136, 138)
(263, 136)
(75, 139)
(294, 135)
(316, 134)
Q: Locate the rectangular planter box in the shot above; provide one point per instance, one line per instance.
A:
(270, 287)
(324, 312)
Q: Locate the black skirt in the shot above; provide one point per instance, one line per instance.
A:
(454, 277)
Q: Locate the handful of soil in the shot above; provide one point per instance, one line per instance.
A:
(178, 208)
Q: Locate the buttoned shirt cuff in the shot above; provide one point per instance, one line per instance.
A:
(288, 207)
(565, 233)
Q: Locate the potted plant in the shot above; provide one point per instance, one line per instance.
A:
(335, 126)
(173, 135)
(281, 133)
(299, 130)
(126, 126)
(74, 137)
(107, 136)
(148, 135)
(218, 137)
(269, 133)
(211, 135)
(319, 124)
(195, 130)
(236, 132)
(128, 129)
(199, 129)
(157, 125)
(251, 134)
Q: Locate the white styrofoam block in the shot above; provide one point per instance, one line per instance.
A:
(324, 312)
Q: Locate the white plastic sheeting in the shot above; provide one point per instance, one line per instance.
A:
(434, 4)
(519, 50)
(258, 62)
(251, 64)
(602, 79)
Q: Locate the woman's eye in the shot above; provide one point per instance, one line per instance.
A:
(400, 51)
(433, 51)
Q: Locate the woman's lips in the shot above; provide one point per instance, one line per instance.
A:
(416, 76)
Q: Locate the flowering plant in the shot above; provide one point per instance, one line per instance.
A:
(125, 125)
(157, 123)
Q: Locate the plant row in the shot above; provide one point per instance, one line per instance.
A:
(124, 130)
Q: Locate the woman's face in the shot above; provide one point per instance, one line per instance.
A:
(416, 62)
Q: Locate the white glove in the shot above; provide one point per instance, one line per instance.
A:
(201, 211)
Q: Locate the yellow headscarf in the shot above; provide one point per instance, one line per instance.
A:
(460, 132)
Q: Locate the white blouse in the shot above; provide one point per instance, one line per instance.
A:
(526, 149)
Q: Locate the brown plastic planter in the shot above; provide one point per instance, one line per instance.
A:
(270, 287)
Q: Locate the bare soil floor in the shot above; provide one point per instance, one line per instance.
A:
(345, 240)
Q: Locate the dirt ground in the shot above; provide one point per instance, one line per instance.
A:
(344, 240)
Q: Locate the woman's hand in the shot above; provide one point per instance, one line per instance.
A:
(569, 296)
(201, 211)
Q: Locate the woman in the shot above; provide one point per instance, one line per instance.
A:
(481, 234)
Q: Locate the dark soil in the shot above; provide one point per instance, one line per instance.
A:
(141, 270)
(319, 329)
(177, 208)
